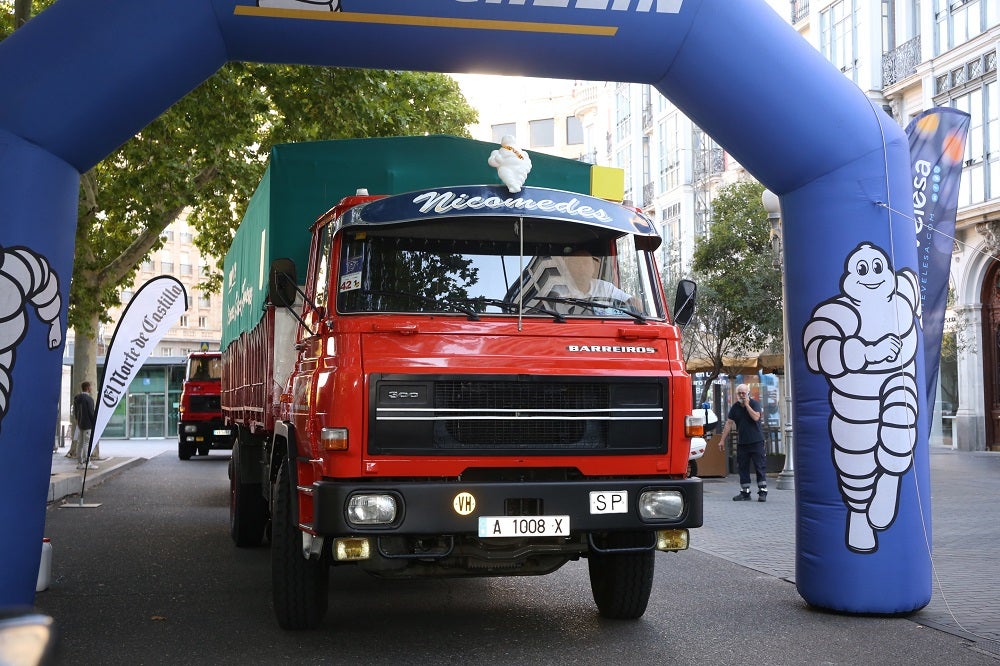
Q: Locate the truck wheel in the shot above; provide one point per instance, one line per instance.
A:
(299, 585)
(185, 451)
(247, 508)
(621, 583)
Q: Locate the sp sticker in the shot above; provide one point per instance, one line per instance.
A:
(464, 504)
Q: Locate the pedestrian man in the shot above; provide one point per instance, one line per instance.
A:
(83, 410)
(745, 416)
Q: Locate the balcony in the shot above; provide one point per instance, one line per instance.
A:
(800, 10)
(647, 118)
(648, 192)
(901, 62)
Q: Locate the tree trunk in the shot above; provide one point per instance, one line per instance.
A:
(85, 357)
(22, 12)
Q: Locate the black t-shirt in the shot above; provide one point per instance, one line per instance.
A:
(748, 431)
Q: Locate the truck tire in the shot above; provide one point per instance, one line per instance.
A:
(621, 582)
(247, 508)
(185, 451)
(299, 585)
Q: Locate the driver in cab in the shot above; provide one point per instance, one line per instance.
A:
(582, 284)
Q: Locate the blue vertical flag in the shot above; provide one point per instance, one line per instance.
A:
(937, 148)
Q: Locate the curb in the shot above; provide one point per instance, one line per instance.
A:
(67, 484)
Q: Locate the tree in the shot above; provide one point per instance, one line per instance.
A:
(739, 301)
(207, 153)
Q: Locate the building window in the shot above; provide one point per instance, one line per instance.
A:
(574, 131)
(166, 351)
(958, 21)
(623, 113)
(668, 151)
(183, 323)
(167, 235)
(205, 301)
(838, 36)
(166, 266)
(202, 322)
(542, 132)
(186, 237)
(981, 170)
(504, 129)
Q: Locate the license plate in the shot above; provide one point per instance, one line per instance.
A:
(608, 501)
(523, 526)
(220, 433)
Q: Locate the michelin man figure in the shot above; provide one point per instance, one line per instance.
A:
(512, 164)
(25, 278)
(864, 341)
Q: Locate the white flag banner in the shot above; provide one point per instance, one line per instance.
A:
(155, 307)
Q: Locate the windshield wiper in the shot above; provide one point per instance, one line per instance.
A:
(592, 305)
(450, 306)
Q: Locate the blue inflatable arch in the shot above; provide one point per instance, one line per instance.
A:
(83, 77)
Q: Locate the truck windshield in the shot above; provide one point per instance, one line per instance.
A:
(204, 369)
(570, 271)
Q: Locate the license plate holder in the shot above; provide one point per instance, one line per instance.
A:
(523, 526)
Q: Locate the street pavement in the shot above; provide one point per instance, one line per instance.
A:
(965, 487)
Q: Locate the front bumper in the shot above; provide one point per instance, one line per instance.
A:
(437, 508)
(213, 434)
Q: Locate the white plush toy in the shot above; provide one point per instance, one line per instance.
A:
(512, 164)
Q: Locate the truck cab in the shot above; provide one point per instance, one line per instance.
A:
(200, 427)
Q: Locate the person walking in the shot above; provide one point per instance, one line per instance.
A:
(745, 416)
(83, 410)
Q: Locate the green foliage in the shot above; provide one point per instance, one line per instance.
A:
(739, 285)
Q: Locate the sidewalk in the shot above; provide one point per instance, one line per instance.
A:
(66, 480)
(965, 487)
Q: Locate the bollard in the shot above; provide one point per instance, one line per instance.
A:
(45, 566)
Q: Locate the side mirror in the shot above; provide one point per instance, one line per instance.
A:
(684, 302)
(281, 283)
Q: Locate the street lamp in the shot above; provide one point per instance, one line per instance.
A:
(786, 479)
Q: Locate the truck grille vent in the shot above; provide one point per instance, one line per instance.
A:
(516, 415)
(204, 403)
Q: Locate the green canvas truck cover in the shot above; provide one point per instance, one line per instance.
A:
(304, 180)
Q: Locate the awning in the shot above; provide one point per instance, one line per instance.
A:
(740, 365)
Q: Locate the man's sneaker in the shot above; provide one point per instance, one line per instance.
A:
(762, 496)
(83, 466)
(742, 497)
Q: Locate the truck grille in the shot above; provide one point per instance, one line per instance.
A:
(204, 403)
(520, 414)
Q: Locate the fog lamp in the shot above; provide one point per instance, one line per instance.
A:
(371, 509)
(661, 505)
(351, 549)
(672, 540)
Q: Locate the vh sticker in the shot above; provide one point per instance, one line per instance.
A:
(464, 503)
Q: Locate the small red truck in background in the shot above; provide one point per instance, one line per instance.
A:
(465, 382)
(200, 427)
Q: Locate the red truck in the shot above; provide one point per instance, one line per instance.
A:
(466, 382)
(200, 427)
